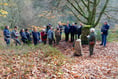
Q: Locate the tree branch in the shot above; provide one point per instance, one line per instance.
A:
(101, 13)
(76, 15)
(77, 9)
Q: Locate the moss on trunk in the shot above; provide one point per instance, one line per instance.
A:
(85, 33)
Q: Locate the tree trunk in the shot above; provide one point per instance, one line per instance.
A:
(78, 48)
(85, 33)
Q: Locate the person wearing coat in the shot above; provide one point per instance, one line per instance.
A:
(28, 34)
(80, 30)
(67, 31)
(50, 36)
(57, 36)
(72, 31)
(76, 31)
(44, 36)
(23, 36)
(92, 40)
(60, 26)
(104, 33)
(36, 36)
(15, 36)
(6, 33)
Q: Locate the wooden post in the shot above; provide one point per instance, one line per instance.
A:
(78, 48)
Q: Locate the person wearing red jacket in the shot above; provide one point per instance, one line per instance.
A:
(44, 36)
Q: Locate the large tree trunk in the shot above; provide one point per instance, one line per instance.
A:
(85, 33)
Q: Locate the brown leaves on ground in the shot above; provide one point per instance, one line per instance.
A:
(37, 64)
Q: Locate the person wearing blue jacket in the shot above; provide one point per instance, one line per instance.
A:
(50, 36)
(36, 36)
(67, 31)
(28, 34)
(23, 36)
(104, 33)
(6, 33)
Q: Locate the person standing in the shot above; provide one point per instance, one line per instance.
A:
(48, 27)
(15, 36)
(104, 33)
(6, 33)
(76, 31)
(44, 36)
(23, 36)
(92, 40)
(67, 31)
(80, 30)
(72, 31)
(50, 36)
(57, 35)
(36, 36)
(60, 28)
(28, 34)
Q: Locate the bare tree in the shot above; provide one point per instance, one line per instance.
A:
(89, 12)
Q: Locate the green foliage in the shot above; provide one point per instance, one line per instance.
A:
(1, 27)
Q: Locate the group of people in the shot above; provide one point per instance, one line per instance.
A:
(50, 34)
(92, 37)
(54, 35)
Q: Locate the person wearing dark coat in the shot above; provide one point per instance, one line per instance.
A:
(28, 34)
(92, 40)
(76, 31)
(104, 33)
(67, 31)
(48, 27)
(36, 36)
(72, 31)
(44, 36)
(6, 33)
(23, 36)
(80, 30)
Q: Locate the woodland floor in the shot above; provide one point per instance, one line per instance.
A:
(102, 65)
(33, 63)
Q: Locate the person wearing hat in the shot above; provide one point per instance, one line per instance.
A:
(44, 36)
(92, 40)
